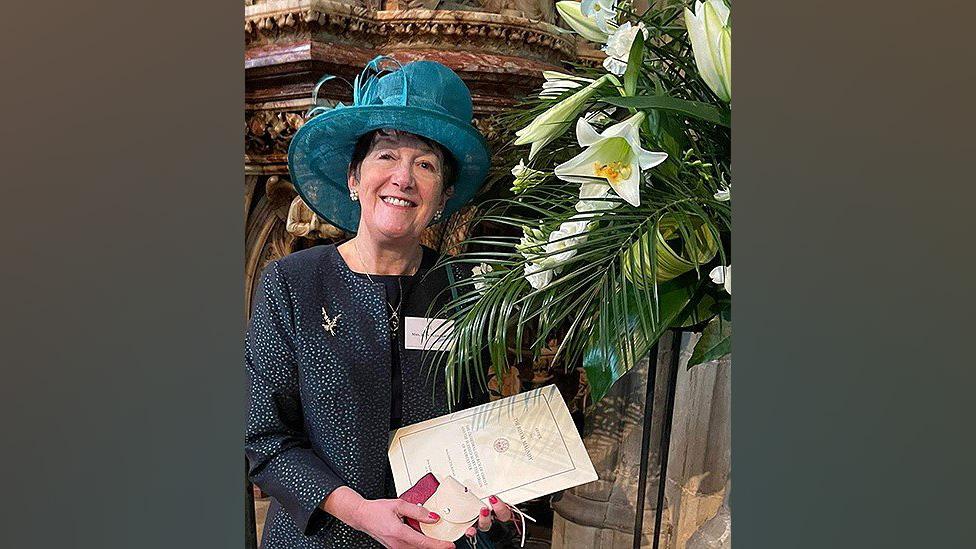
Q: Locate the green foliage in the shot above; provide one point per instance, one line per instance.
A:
(605, 364)
(696, 109)
(634, 61)
(715, 342)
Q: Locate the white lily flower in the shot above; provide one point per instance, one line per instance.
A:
(603, 12)
(570, 234)
(539, 276)
(615, 155)
(724, 195)
(618, 47)
(711, 40)
(722, 276)
(557, 119)
(591, 193)
(587, 27)
(479, 273)
(558, 83)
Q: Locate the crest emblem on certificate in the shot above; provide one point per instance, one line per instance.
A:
(501, 445)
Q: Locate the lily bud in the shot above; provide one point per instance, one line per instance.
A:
(572, 14)
(558, 83)
(557, 119)
(526, 177)
(711, 40)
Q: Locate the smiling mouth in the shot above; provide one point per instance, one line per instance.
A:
(399, 202)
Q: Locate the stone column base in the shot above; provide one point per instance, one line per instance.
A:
(570, 534)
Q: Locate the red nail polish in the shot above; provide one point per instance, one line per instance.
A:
(485, 511)
(493, 499)
(435, 516)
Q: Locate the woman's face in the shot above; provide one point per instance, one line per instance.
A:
(400, 186)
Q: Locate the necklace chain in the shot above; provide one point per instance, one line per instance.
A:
(394, 313)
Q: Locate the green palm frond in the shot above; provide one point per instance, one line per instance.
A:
(587, 305)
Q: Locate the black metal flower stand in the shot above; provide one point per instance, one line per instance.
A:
(665, 443)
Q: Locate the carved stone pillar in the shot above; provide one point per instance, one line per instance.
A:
(266, 237)
(716, 533)
(601, 514)
(699, 464)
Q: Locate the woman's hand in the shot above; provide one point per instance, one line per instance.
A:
(499, 510)
(382, 519)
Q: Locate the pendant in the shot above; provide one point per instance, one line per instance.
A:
(329, 324)
(394, 324)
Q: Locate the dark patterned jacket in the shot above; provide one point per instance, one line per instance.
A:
(319, 402)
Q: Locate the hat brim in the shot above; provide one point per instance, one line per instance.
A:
(320, 152)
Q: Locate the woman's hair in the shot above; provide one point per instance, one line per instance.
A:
(365, 144)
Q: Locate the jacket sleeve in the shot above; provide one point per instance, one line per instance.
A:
(280, 456)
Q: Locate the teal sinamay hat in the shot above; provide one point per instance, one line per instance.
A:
(424, 98)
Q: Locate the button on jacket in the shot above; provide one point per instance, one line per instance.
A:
(319, 398)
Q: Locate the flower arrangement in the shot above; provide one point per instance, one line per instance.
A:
(623, 202)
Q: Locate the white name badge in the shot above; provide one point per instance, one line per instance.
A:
(427, 334)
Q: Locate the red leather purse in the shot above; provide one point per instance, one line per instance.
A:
(419, 493)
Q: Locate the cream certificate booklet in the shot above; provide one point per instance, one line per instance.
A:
(518, 448)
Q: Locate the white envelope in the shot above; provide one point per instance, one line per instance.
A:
(518, 448)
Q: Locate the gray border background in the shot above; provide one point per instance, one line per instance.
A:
(853, 371)
(122, 393)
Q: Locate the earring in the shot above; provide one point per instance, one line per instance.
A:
(354, 195)
(437, 215)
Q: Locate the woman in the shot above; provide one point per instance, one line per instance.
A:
(329, 375)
